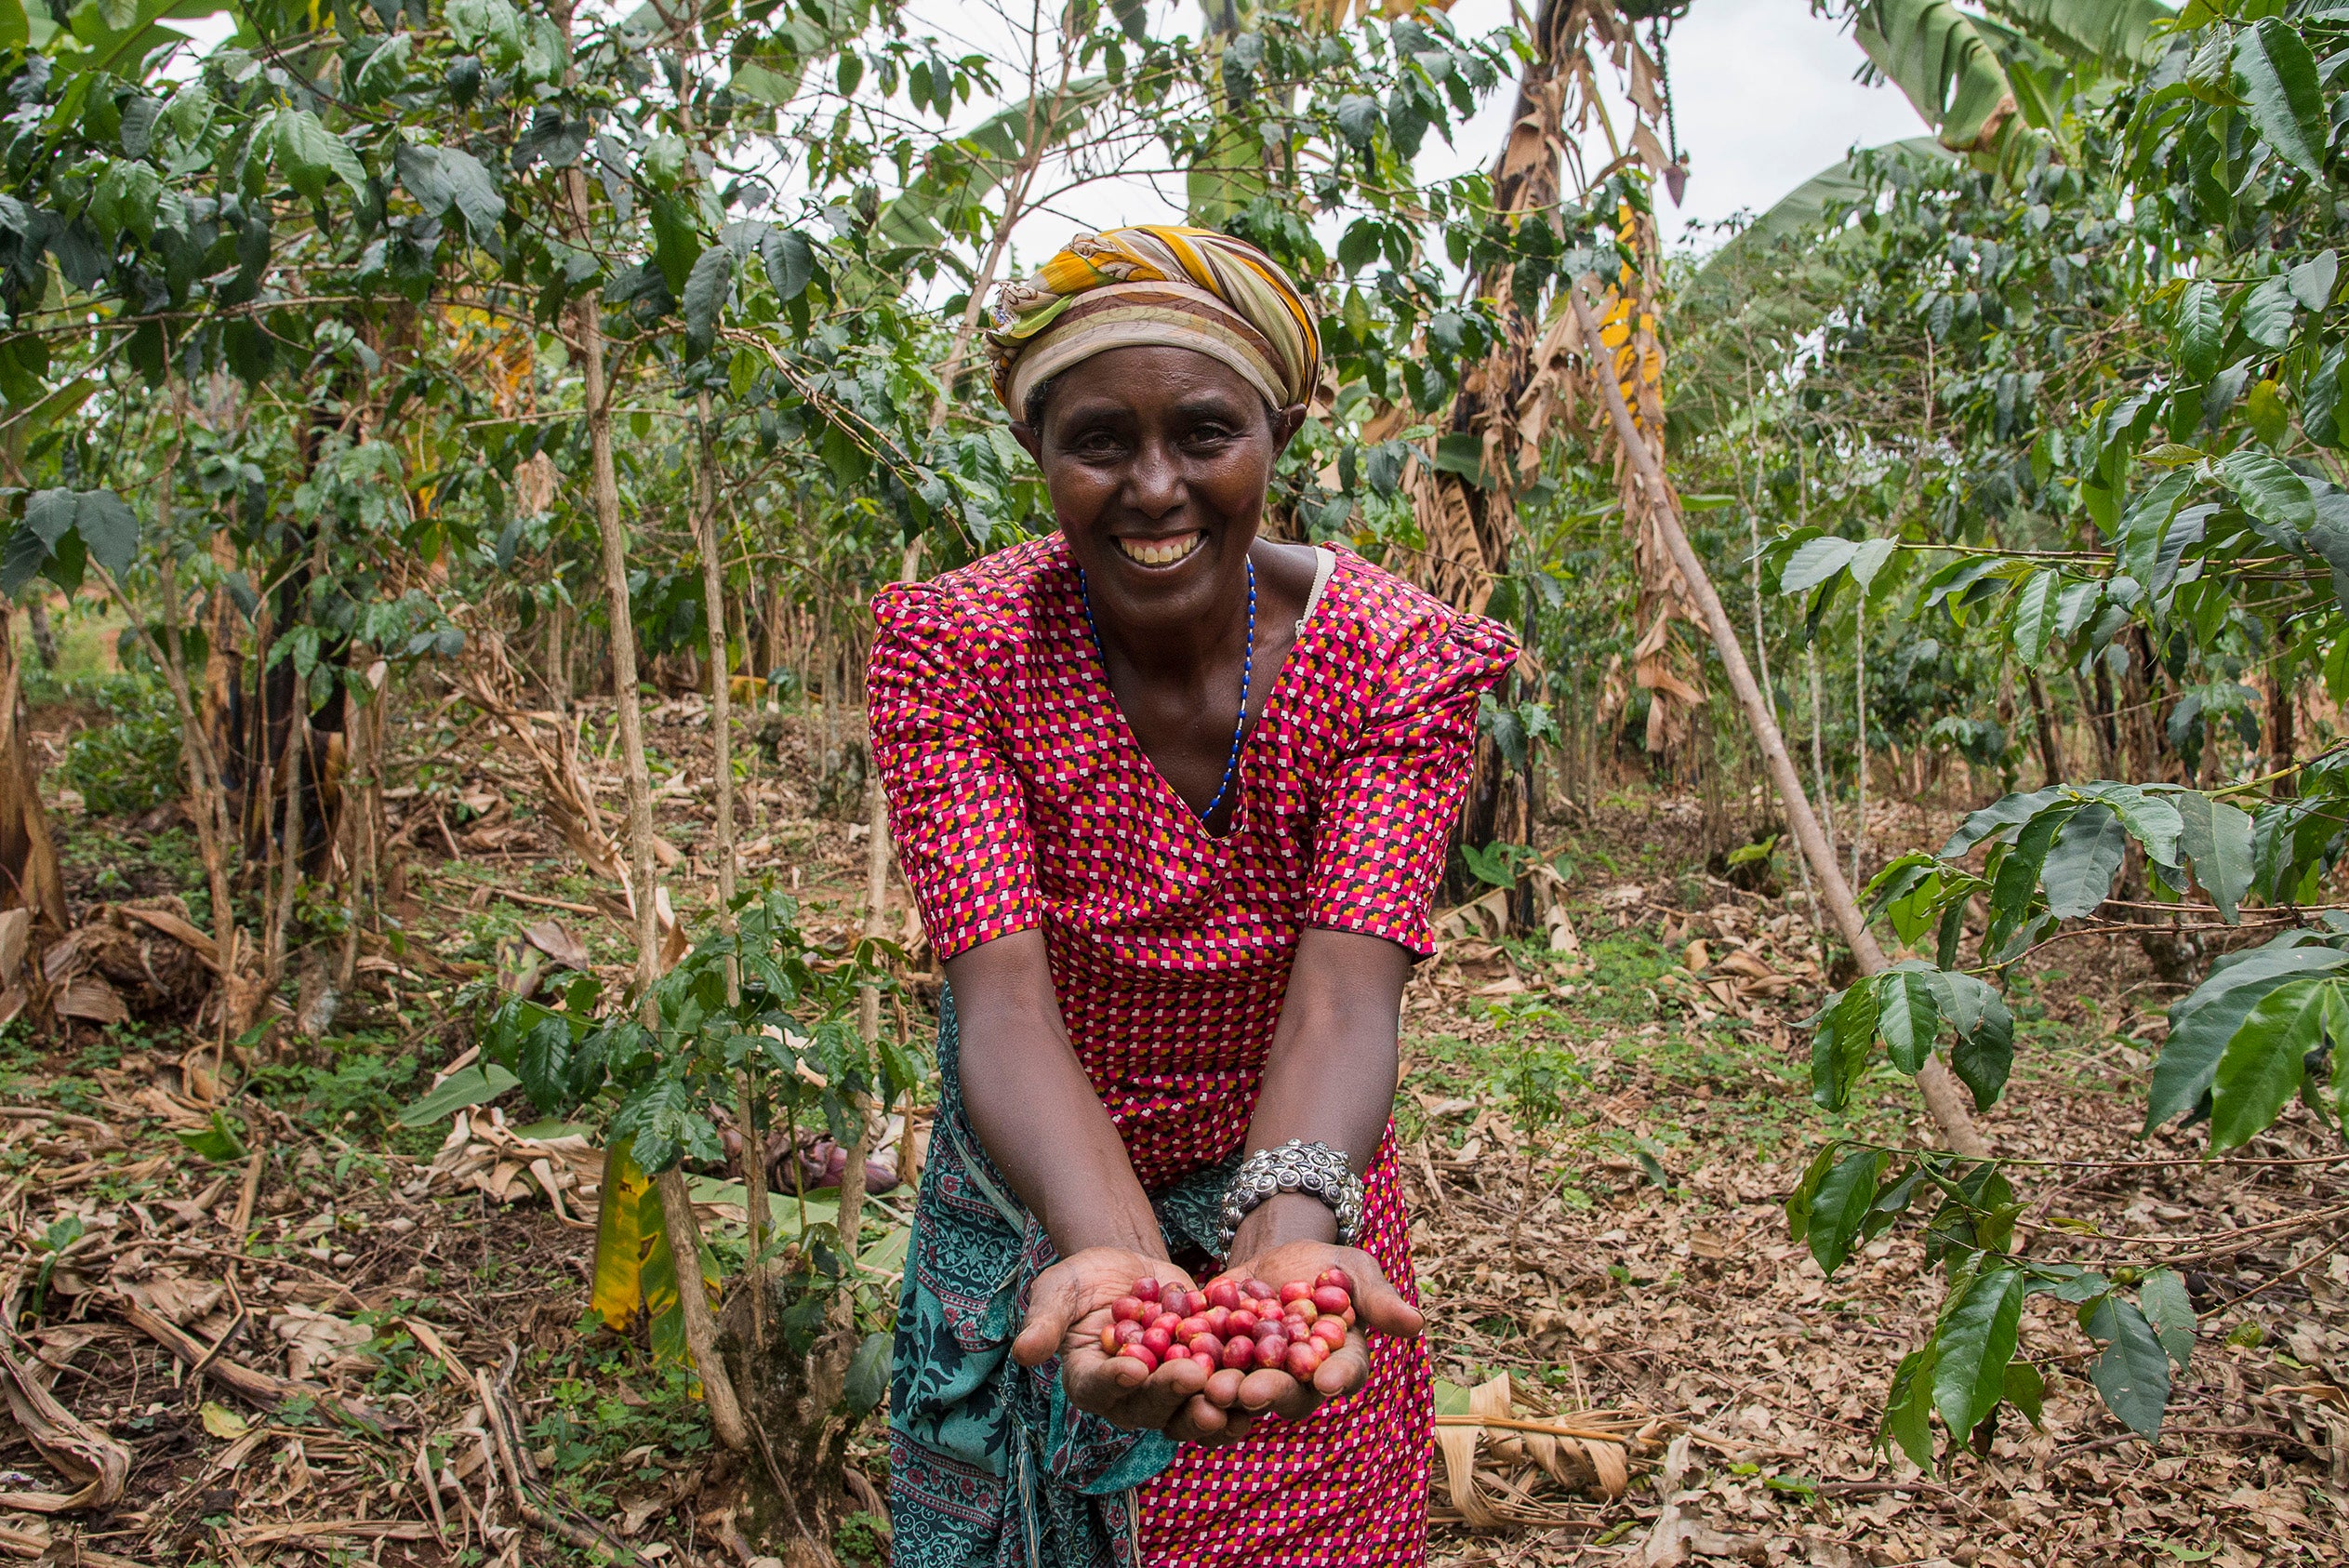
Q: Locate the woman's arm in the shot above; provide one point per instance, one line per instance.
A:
(1330, 1079)
(1037, 1116)
(1033, 1108)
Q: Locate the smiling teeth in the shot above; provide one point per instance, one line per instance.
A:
(1161, 552)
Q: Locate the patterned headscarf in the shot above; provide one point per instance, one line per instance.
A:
(1162, 286)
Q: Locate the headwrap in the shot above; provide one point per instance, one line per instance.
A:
(1158, 285)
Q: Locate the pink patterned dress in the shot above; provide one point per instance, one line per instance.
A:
(1020, 799)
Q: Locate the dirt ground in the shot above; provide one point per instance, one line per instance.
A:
(319, 1336)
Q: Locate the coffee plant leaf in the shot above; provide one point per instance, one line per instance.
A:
(2079, 867)
(2260, 1071)
(2161, 1296)
(2215, 839)
(1976, 1340)
(2132, 1373)
(1840, 1207)
(2203, 1022)
(2275, 75)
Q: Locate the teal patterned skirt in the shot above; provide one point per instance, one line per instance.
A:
(989, 1466)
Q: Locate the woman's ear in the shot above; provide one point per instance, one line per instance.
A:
(1286, 422)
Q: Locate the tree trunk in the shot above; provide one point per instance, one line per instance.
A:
(29, 876)
(37, 620)
(2043, 719)
(1943, 1094)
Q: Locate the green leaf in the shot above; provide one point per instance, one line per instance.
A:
(2026, 1390)
(2078, 870)
(2034, 623)
(2133, 1372)
(2268, 490)
(790, 262)
(1839, 1049)
(443, 179)
(868, 1378)
(1869, 557)
(2260, 1071)
(217, 1140)
(706, 291)
(2275, 75)
(2018, 877)
(1813, 563)
(2267, 313)
(1977, 1339)
(2202, 1023)
(2149, 817)
(2200, 330)
(2312, 282)
(1908, 1411)
(462, 1090)
(109, 529)
(311, 154)
(2216, 842)
(1842, 1206)
(1909, 1016)
(2161, 1294)
(1983, 1059)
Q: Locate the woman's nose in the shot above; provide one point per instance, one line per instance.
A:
(1155, 487)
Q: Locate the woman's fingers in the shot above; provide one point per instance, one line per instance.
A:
(1054, 1304)
(1347, 1369)
(1377, 1304)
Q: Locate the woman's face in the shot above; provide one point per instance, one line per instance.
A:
(1158, 459)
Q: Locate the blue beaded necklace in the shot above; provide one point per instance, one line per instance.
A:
(1247, 667)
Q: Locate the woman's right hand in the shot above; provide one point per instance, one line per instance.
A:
(1069, 1307)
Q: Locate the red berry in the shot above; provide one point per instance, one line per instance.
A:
(1242, 1321)
(1218, 1321)
(1304, 1311)
(1224, 1294)
(1208, 1344)
(1331, 1298)
(1127, 1332)
(1347, 1317)
(1158, 1341)
(1303, 1361)
(1194, 1303)
(1191, 1329)
(1295, 1290)
(1271, 1349)
(1335, 1277)
(1240, 1354)
(1255, 1290)
(1141, 1354)
(1126, 1309)
(1331, 1332)
(1146, 1290)
(1210, 1363)
(1110, 1338)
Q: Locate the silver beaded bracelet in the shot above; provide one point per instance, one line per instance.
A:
(1314, 1169)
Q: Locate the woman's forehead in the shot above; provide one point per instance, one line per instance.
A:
(1154, 378)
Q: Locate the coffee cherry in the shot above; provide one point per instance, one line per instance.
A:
(1208, 1344)
(1242, 1321)
(1191, 1329)
(1145, 1289)
(1303, 1361)
(1304, 1309)
(1218, 1321)
(1271, 1349)
(1167, 1321)
(1141, 1353)
(1347, 1317)
(1295, 1290)
(1255, 1290)
(1335, 1277)
(1330, 1331)
(1224, 1294)
(1239, 1354)
(1331, 1298)
(1127, 1308)
(1158, 1341)
(1210, 1363)
(1110, 1338)
(1194, 1303)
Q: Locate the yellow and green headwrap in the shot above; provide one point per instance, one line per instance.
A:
(1159, 285)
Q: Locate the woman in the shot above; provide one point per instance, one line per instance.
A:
(1173, 800)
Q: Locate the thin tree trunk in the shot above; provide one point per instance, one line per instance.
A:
(290, 853)
(1860, 713)
(685, 1234)
(1940, 1088)
(37, 620)
(2043, 717)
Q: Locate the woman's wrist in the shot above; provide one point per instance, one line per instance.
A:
(1281, 1219)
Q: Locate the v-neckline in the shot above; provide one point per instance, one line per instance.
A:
(1098, 665)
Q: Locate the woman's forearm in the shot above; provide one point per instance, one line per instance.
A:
(1033, 1108)
(1329, 1077)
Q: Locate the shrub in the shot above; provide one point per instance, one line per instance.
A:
(130, 762)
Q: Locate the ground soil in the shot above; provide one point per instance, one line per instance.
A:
(1618, 1249)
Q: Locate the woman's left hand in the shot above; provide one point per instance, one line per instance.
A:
(1377, 1305)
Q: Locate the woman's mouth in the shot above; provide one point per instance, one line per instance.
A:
(1161, 552)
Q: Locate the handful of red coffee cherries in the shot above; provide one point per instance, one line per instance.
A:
(1241, 1324)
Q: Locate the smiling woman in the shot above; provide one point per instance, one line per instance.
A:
(1174, 799)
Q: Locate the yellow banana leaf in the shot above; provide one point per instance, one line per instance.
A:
(619, 1238)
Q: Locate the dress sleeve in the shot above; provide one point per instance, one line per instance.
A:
(957, 810)
(1388, 811)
